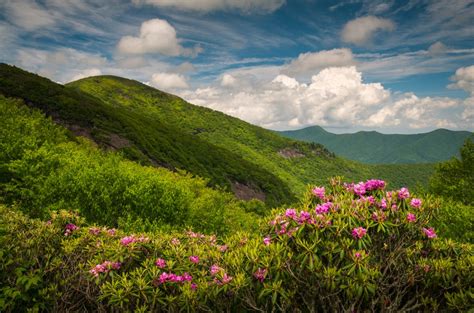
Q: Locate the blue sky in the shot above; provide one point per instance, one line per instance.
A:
(390, 66)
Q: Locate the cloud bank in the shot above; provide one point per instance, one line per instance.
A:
(245, 6)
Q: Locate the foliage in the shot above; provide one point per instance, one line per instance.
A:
(43, 170)
(156, 128)
(373, 147)
(455, 178)
(344, 248)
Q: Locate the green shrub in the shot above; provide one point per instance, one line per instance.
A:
(368, 250)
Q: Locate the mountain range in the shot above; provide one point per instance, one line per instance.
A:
(374, 147)
(158, 129)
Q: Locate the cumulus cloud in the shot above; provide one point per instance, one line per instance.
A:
(361, 30)
(313, 62)
(168, 81)
(156, 36)
(87, 73)
(335, 97)
(464, 79)
(245, 6)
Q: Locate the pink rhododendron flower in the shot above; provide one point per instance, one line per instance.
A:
(403, 193)
(291, 213)
(125, 241)
(374, 184)
(430, 232)
(226, 279)
(194, 259)
(359, 232)
(411, 217)
(359, 189)
(223, 248)
(175, 241)
(215, 269)
(319, 192)
(304, 216)
(323, 208)
(111, 232)
(379, 216)
(187, 277)
(105, 267)
(160, 263)
(194, 286)
(416, 203)
(94, 231)
(267, 241)
(69, 229)
(383, 204)
(260, 274)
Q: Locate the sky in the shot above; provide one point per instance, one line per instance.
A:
(390, 66)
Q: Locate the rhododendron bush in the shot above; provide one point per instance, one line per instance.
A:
(345, 247)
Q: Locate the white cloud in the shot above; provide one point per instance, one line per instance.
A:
(87, 73)
(361, 30)
(313, 62)
(168, 81)
(335, 96)
(28, 14)
(437, 48)
(464, 79)
(156, 36)
(245, 6)
(228, 80)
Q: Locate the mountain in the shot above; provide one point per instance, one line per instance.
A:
(374, 147)
(159, 129)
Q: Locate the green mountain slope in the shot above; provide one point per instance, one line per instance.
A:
(153, 127)
(374, 147)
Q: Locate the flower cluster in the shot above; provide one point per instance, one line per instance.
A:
(359, 232)
(173, 278)
(403, 193)
(105, 267)
(69, 229)
(430, 232)
(319, 192)
(362, 188)
(160, 263)
(94, 231)
(125, 241)
(260, 274)
(220, 276)
(194, 259)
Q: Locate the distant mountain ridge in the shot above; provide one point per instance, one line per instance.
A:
(374, 147)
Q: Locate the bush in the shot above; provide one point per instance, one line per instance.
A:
(345, 248)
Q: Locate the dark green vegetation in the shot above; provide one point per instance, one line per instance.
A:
(156, 128)
(374, 147)
(44, 168)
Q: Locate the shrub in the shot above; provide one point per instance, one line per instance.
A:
(349, 247)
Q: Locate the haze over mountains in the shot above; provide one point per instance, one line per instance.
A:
(374, 147)
(157, 128)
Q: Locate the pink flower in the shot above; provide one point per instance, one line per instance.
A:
(160, 263)
(187, 277)
(215, 269)
(359, 232)
(304, 216)
(416, 203)
(378, 216)
(260, 274)
(164, 277)
(125, 241)
(319, 192)
(323, 208)
(226, 278)
(111, 232)
(383, 204)
(403, 193)
(223, 248)
(194, 286)
(291, 213)
(69, 229)
(359, 189)
(105, 267)
(267, 241)
(94, 231)
(175, 241)
(194, 259)
(374, 184)
(411, 218)
(430, 232)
